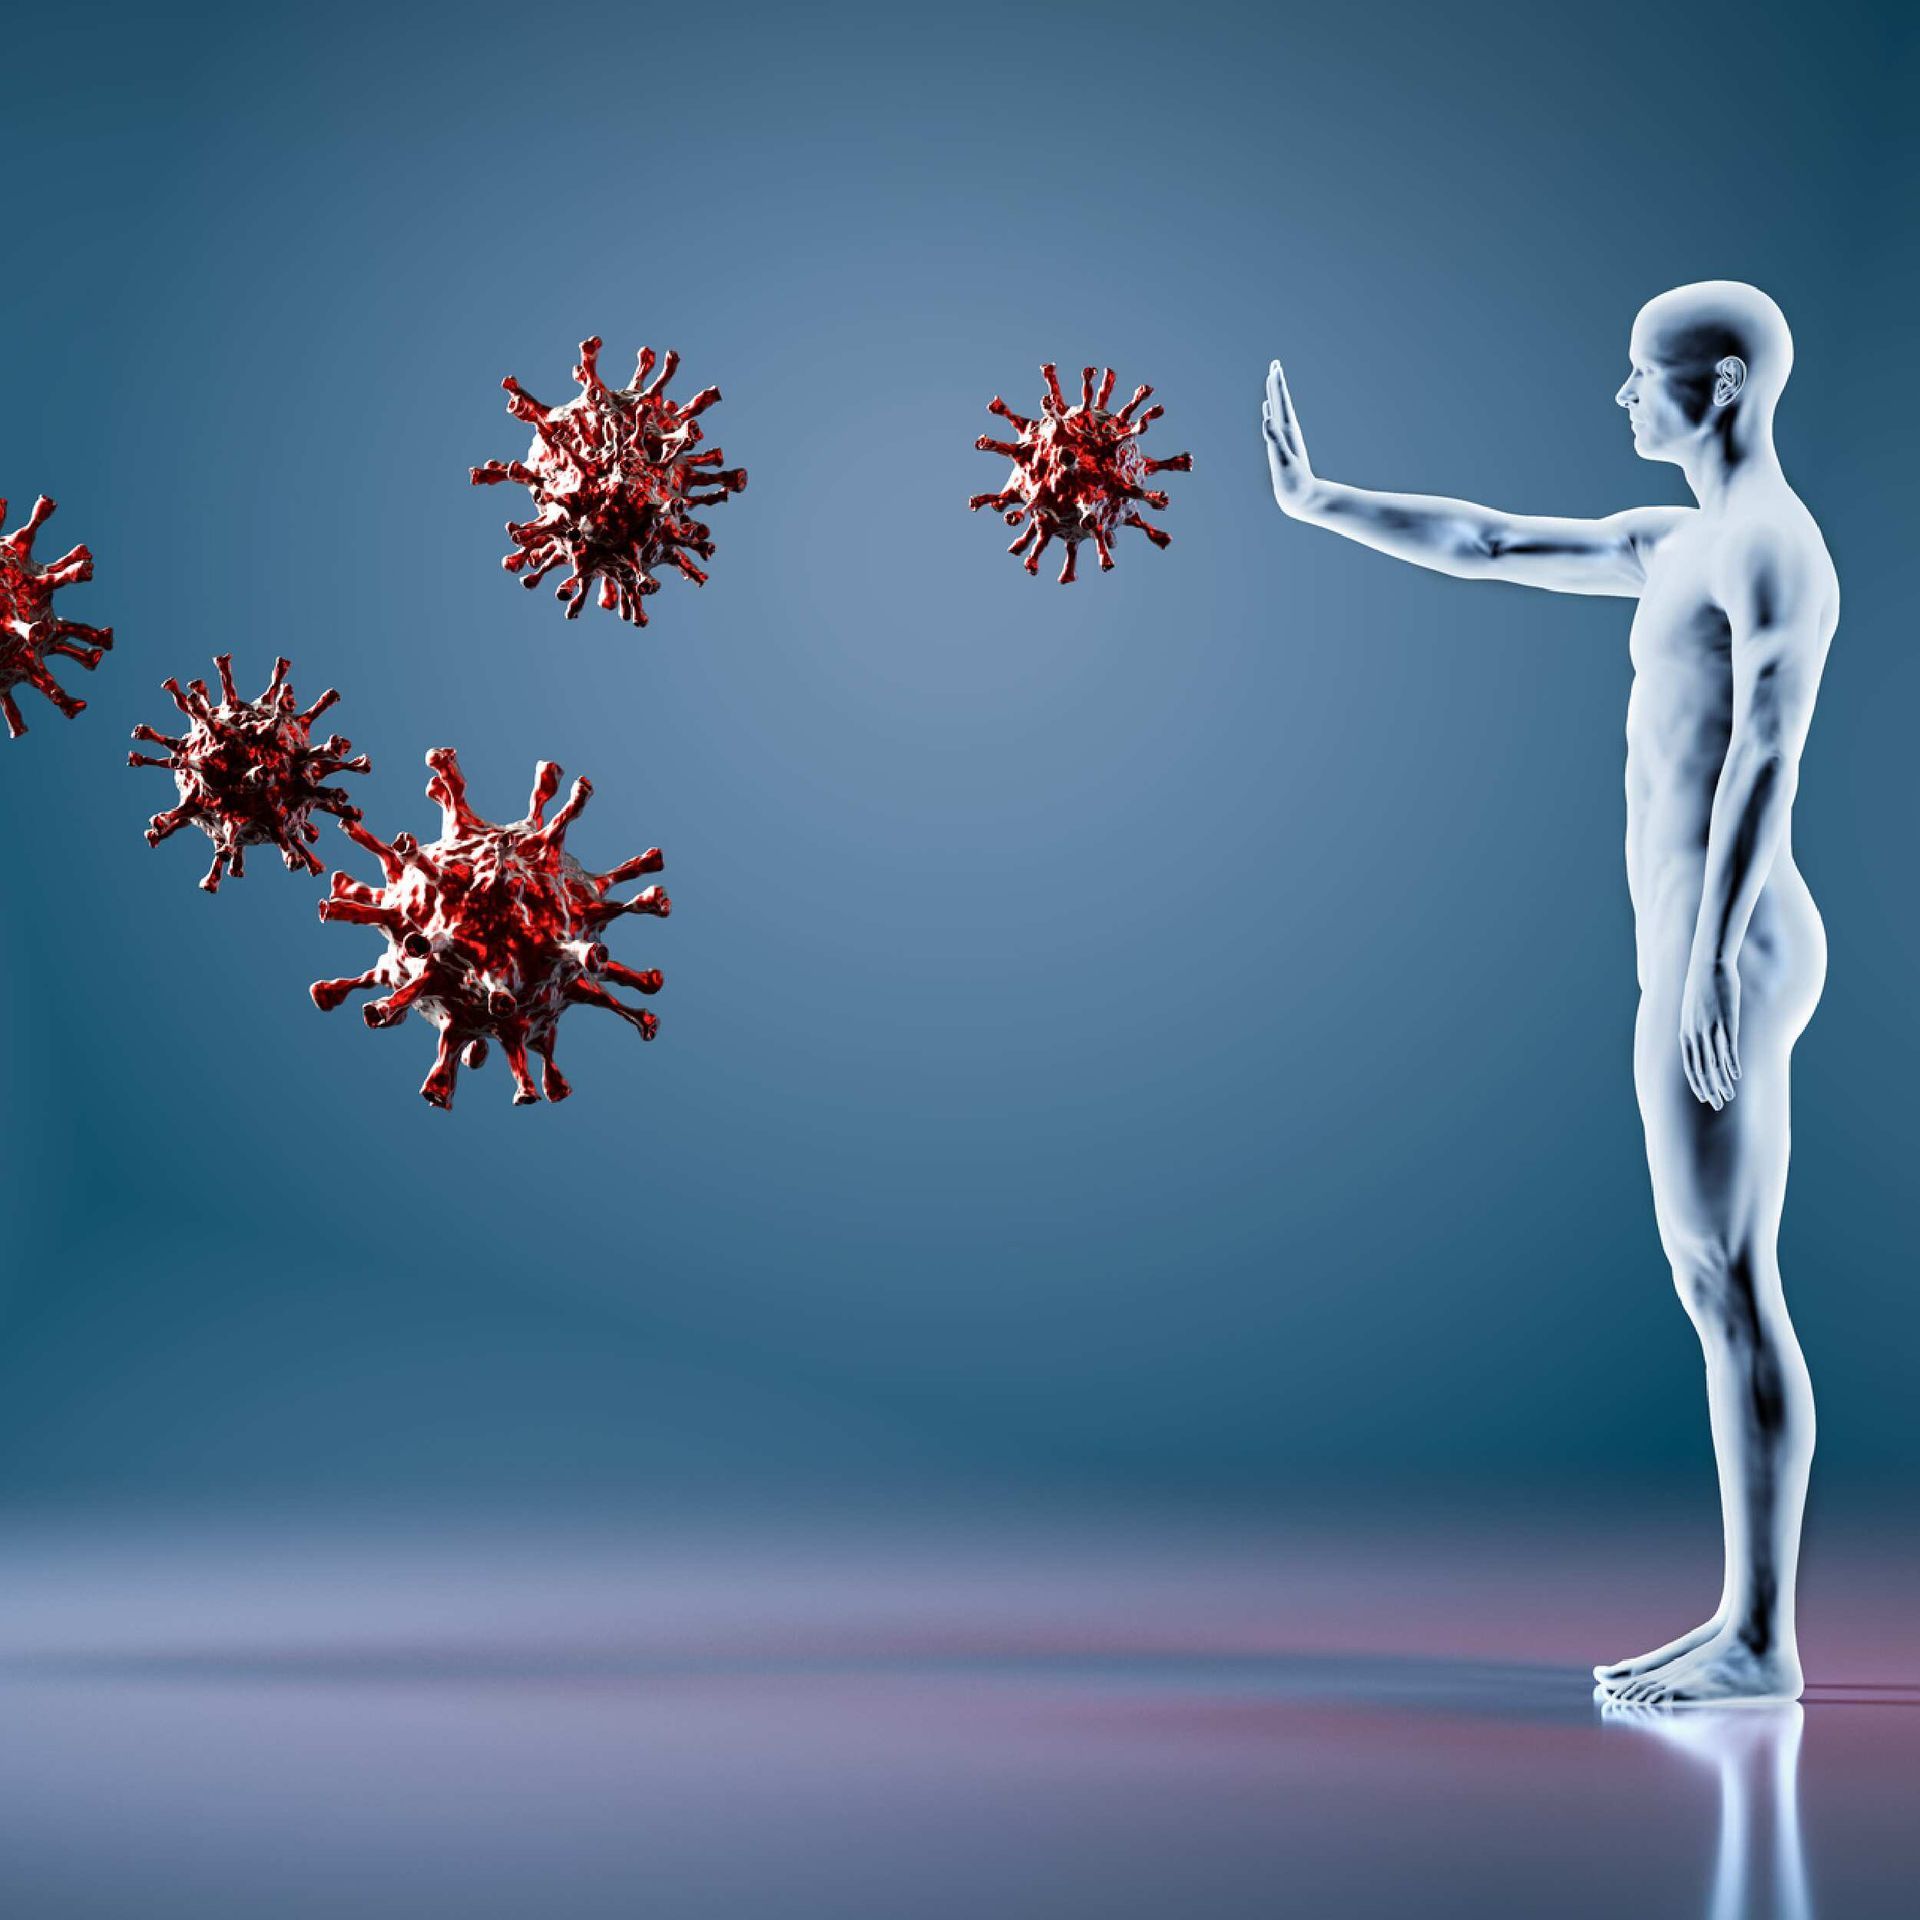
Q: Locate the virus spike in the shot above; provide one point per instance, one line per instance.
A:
(448, 791)
(248, 773)
(163, 826)
(393, 859)
(554, 833)
(589, 993)
(437, 1088)
(328, 994)
(1154, 534)
(1076, 472)
(546, 783)
(1017, 421)
(649, 862)
(30, 630)
(649, 981)
(525, 1093)
(521, 404)
(669, 365)
(491, 932)
(553, 1083)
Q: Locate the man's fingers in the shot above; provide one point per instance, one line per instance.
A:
(1693, 1058)
(1277, 394)
(1717, 1092)
(1729, 1068)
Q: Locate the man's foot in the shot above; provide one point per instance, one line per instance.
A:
(1721, 1671)
(1646, 1662)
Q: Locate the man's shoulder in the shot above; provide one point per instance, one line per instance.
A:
(1773, 559)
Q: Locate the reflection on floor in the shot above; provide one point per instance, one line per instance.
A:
(987, 1719)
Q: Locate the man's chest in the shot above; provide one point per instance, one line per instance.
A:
(1678, 623)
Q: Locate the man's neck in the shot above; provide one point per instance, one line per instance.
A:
(1730, 461)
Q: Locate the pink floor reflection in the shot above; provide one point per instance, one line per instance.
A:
(997, 1717)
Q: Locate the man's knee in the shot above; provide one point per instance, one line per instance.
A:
(1714, 1276)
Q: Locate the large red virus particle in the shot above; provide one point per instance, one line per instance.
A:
(614, 476)
(249, 772)
(30, 630)
(1077, 471)
(492, 932)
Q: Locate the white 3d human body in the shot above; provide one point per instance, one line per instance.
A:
(1737, 603)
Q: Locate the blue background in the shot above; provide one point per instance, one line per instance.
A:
(1168, 1035)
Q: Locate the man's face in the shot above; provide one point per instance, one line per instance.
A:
(1667, 395)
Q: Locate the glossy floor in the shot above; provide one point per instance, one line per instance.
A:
(1009, 1719)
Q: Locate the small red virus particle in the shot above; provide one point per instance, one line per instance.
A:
(29, 628)
(248, 772)
(1076, 471)
(492, 932)
(613, 474)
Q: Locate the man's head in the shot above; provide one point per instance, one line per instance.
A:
(1705, 357)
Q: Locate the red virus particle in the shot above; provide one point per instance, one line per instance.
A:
(614, 476)
(1077, 472)
(492, 932)
(249, 773)
(30, 630)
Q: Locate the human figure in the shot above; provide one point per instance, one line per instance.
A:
(1737, 604)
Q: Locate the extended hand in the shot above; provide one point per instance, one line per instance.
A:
(1710, 1031)
(1286, 450)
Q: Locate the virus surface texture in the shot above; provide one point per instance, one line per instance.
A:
(492, 932)
(249, 772)
(30, 630)
(1077, 472)
(614, 476)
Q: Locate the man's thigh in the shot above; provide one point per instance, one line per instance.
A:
(1718, 1178)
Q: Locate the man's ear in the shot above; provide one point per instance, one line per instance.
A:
(1728, 378)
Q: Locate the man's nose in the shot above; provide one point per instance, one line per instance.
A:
(1624, 398)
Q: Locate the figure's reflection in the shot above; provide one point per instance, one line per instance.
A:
(1760, 1867)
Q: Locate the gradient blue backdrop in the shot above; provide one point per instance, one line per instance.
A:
(1170, 1034)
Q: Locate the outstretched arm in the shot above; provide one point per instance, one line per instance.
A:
(1455, 536)
(1773, 597)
